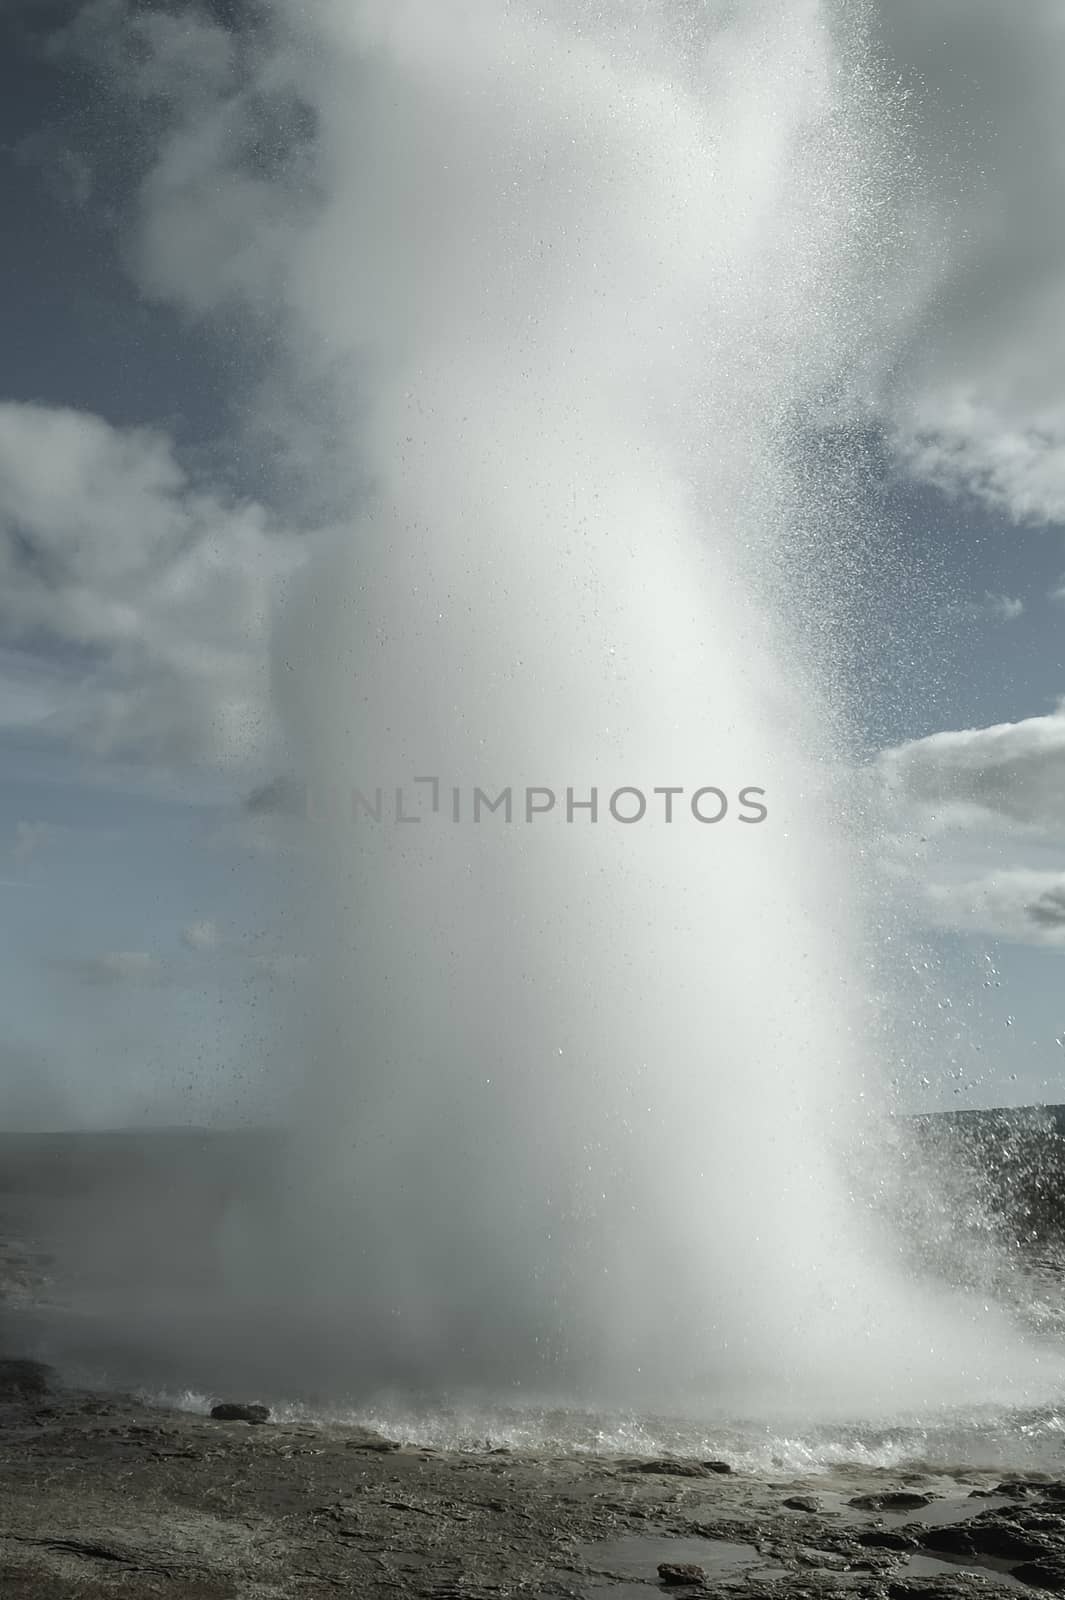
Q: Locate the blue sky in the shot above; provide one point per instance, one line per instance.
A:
(102, 856)
(155, 495)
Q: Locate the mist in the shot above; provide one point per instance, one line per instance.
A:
(579, 1095)
(587, 1046)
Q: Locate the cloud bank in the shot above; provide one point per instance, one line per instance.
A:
(146, 597)
(981, 826)
(975, 403)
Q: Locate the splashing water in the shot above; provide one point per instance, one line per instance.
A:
(578, 1089)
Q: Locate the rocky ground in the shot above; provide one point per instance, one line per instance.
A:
(101, 1496)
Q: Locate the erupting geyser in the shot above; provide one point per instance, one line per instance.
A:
(577, 1088)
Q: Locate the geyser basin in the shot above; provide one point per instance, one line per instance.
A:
(587, 1064)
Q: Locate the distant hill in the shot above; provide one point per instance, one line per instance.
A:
(998, 1172)
(1026, 1118)
(1009, 1162)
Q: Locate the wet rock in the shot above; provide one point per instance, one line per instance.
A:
(949, 1587)
(802, 1502)
(368, 1439)
(675, 1573)
(992, 1538)
(22, 1379)
(1049, 1525)
(1048, 1574)
(675, 1469)
(1003, 1539)
(886, 1539)
(826, 1560)
(232, 1411)
(717, 1466)
(892, 1500)
(879, 1562)
(953, 1541)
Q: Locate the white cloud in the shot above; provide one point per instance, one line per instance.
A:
(976, 405)
(145, 598)
(999, 608)
(961, 443)
(1023, 905)
(977, 829)
(1013, 772)
(241, 959)
(201, 935)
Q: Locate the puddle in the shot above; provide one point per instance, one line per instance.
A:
(635, 1558)
(638, 1557)
(941, 1513)
(944, 1509)
(936, 1566)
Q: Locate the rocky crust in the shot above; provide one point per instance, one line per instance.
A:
(100, 1496)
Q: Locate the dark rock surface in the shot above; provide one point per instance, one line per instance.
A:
(669, 1468)
(887, 1539)
(674, 1573)
(234, 1411)
(993, 1539)
(948, 1587)
(1042, 1574)
(891, 1500)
